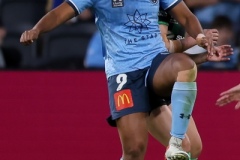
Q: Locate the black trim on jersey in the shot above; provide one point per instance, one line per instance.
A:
(74, 8)
(171, 7)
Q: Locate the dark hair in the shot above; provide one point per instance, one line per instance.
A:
(222, 22)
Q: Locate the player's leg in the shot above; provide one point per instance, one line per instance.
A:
(175, 77)
(159, 126)
(133, 134)
(195, 139)
(129, 105)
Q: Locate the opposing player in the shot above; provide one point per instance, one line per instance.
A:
(231, 95)
(160, 118)
(136, 55)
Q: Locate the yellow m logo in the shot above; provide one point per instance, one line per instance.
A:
(121, 99)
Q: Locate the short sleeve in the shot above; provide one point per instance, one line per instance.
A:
(80, 5)
(168, 4)
(163, 18)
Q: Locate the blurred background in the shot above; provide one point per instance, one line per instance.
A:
(53, 94)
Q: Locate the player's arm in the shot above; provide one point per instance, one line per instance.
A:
(179, 46)
(223, 54)
(175, 46)
(229, 96)
(201, 3)
(189, 42)
(191, 24)
(199, 58)
(50, 21)
(187, 19)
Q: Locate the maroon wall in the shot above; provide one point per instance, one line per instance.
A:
(61, 116)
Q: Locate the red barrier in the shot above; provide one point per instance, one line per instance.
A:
(61, 116)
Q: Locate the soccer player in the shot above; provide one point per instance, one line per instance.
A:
(135, 56)
(229, 96)
(159, 121)
(160, 118)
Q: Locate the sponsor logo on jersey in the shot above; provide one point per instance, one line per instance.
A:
(117, 3)
(123, 99)
(137, 22)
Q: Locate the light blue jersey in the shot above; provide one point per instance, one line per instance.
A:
(129, 30)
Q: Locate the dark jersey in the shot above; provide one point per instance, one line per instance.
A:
(175, 30)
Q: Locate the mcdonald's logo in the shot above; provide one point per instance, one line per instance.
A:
(123, 99)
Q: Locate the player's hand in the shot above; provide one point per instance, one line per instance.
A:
(222, 54)
(29, 36)
(229, 96)
(206, 42)
(212, 33)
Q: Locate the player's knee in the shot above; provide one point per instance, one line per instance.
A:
(186, 68)
(135, 151)
(187, 75)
